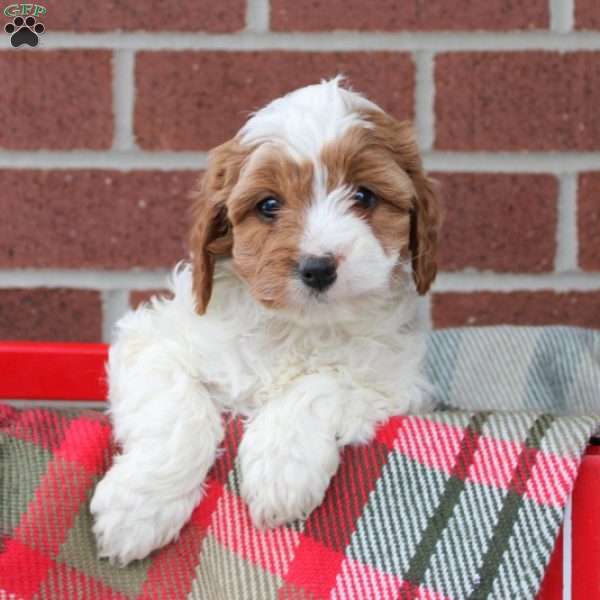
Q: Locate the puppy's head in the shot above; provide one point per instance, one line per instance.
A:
(320, 198)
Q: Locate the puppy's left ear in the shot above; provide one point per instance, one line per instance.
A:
(426, 213)
(425, 221)
(211, 235)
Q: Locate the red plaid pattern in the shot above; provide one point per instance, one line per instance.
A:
(400, 520)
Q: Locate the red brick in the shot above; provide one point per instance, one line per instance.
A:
(57, 99)
(517, 101)
(498, 222)
(138, 297)
(50, 314)
(411, 15)
(196, 100)
(587, 14)
(588, 217)
(166, 15)
(94, 219)
(516, 308)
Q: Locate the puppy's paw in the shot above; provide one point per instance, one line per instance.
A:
(129, 522)
(281, 486)
(272, 504)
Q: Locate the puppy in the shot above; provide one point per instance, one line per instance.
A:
(314, 230)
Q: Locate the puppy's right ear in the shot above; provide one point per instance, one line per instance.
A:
(211, 234)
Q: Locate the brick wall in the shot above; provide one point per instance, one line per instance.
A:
(107, 122)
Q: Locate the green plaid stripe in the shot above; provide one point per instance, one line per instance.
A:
(223, 575)
(510, 509)
(79, 551)
(22, 464)
(391, 525)
(520, 568)
(448, 500)
(464, 542)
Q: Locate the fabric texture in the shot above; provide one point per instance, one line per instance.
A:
(545, 369)
(457, 504)
(449, 505)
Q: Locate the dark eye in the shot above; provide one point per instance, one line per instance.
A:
(268, 208)
(365, 197)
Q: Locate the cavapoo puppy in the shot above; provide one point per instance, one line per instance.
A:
(314, 231)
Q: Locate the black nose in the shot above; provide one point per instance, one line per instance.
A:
(318, 272)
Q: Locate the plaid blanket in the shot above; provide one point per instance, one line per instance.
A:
(452, 505)
(543, 369)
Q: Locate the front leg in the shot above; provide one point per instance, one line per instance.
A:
(169, 431)
(290, 451)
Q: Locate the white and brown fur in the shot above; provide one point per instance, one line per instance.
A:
(310, 370)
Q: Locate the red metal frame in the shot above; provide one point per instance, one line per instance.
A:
(586, 528)
(51, 371)
(577, 550)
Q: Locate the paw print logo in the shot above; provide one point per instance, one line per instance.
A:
(24, 31)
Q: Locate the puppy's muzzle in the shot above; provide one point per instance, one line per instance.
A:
(317, 272)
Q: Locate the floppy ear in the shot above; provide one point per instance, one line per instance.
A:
(426, 213)
(424, 231)
(211, 233)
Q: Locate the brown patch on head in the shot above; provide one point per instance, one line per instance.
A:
(386, 160)
(265, 253)
(358, 159)
(227, 223)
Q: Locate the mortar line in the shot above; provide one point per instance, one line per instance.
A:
(93, 279)
(562, 15)
(472, 281)
(557, 163)
(425, 312)
(257, 16)
(123, 99)
(331, 41)
(425, 99)
(566, 230)
(115, 304)
(125, 281)
(115, 159)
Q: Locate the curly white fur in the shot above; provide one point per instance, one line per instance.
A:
(309, 379)
(306, 393)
